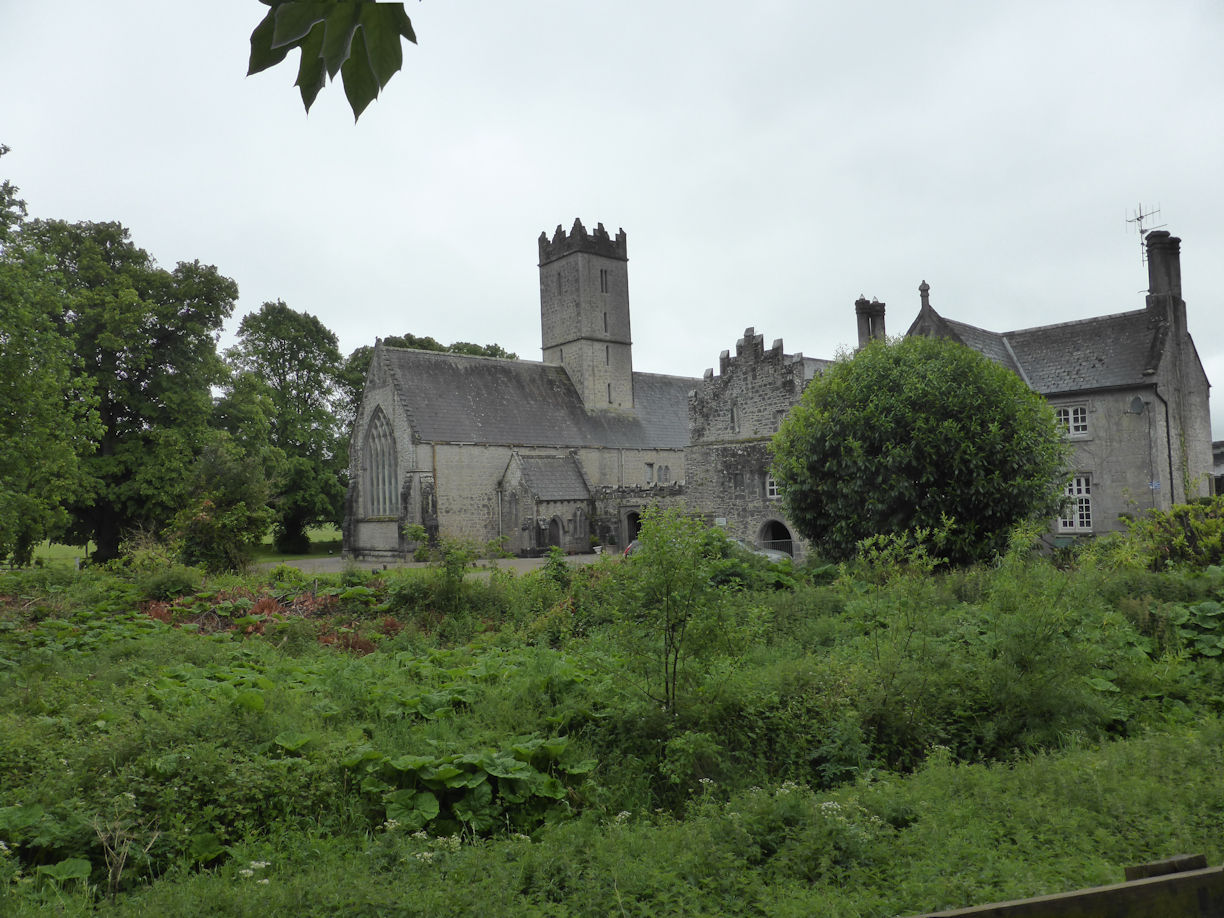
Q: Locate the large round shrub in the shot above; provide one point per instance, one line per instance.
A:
(906, 434)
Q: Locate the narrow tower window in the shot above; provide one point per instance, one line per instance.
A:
(605, 323)
(607, 355)
(609, 393)
(603, 280)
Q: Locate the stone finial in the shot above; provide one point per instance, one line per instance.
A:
(924, 294)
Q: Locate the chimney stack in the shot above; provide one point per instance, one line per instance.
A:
(870, 320)
(1164, 263)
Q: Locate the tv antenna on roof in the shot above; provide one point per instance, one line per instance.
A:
(1139, 216)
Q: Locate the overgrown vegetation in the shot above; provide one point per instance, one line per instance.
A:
(691, 731)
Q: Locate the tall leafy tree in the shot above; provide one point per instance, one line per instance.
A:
(918, 434)
(147, 341)
(47, 415)
(295, 360)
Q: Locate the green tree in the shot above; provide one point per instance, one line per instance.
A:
(146, 338)
(360, 41)
(674, 615)
(291, 361)
(915, 434)
(47, 413)
(228, 515)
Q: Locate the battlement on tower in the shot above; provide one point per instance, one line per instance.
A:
(578, 239)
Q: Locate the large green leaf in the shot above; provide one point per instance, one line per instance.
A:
(74, 868)
(358, 40)
(412, 809)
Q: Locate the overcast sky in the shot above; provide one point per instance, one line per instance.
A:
(770, 162)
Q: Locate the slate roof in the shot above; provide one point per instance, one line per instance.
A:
(453, 398)
(1097, 353)
(554, 478)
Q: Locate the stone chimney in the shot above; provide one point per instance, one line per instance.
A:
(1164, 299)
(1164, 263)
(870, 320)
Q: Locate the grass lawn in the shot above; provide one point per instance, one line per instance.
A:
(324, 540)
(54, 554)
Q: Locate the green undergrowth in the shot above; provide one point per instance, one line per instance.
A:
(888, 740)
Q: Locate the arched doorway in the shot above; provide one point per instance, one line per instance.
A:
(554, 531)
(775, 535)
(633, 525)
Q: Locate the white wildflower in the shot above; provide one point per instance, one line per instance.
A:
(244, 872)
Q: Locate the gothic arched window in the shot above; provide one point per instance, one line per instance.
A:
(380, 478)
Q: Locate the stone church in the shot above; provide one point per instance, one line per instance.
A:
(485, 448)
(568, 451)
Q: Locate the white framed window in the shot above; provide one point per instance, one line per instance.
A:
(1073, 419)
(771, 487)
(1076, 514)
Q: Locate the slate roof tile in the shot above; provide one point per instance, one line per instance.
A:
(554, 477)
(1096, 353)
(459, 399)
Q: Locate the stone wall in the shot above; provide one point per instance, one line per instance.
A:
(732, 417)
(381, 536)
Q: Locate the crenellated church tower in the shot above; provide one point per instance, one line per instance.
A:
(584, 313)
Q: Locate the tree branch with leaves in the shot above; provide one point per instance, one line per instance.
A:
(359, 41)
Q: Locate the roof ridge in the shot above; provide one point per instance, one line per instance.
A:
(452, 354)
(1087, 321)
(667, 375)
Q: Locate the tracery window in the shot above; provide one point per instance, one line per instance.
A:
(380, 483)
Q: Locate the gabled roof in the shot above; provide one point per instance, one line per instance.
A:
(459, 399)
(554, 477)
(1098, 353)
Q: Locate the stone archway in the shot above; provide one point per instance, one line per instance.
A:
(554, 531)
(633, 525)
(774, 534)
